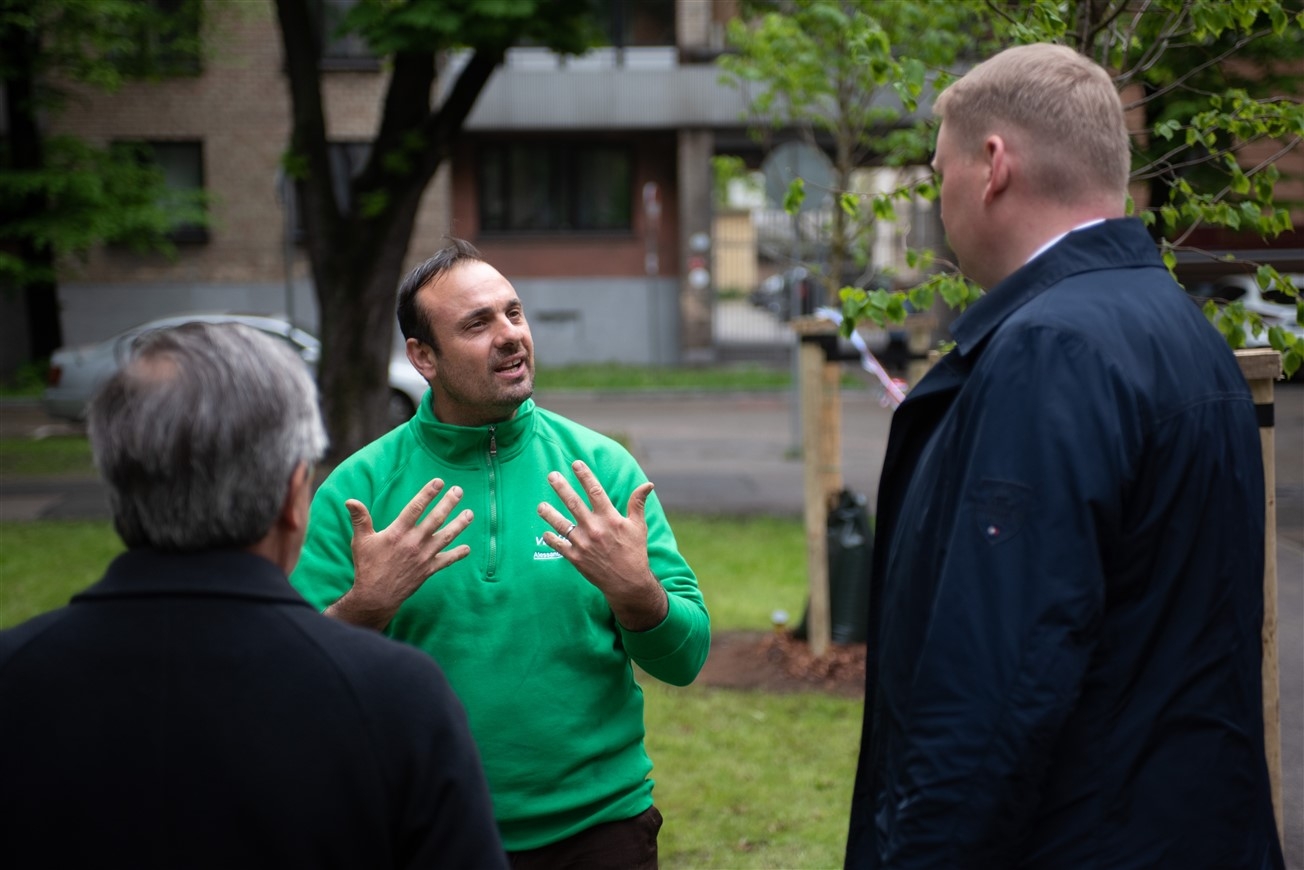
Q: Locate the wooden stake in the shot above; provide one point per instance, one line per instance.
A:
(814, 443)
(1262, 367)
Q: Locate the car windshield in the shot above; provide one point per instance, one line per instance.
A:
(1278, 297)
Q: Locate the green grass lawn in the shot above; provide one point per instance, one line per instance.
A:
(617, 377)
(44, 564)
(62, 456)
(749, 779)
(744, 779)
(630, 377)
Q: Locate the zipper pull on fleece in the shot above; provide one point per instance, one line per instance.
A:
(493, 441)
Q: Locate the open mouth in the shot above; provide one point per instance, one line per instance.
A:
(512, 367)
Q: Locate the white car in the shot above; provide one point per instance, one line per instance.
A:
(77, 372)
(1273, 306)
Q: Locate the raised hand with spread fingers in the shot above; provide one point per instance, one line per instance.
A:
(608, 549)
(392, 564)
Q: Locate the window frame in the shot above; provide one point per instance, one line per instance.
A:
(167, 41)
(183, 233)
(566, 160)
(340, 53)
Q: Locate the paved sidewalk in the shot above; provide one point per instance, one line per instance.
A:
(731, 453)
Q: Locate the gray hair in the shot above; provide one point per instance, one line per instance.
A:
(198, 434)
(1065, 107)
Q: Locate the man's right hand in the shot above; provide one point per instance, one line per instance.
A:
(389, 566)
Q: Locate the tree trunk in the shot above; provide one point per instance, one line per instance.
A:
(358, 320)
(20, 46)
(357, 258)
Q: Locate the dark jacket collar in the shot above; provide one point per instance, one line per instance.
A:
(467, 446)
(208, 573)
(1117, 243)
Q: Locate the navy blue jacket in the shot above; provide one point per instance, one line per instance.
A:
(1067, 593)
(191, 710)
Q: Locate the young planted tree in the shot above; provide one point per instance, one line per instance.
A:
(1212, 80)
(826, 69)
(60, 195)
(1217, 84)
(356, 250)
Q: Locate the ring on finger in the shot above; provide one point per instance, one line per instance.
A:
(565, 536)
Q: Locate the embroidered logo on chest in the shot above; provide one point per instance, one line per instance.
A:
(543, 552)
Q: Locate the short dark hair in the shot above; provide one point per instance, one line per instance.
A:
(410, 320)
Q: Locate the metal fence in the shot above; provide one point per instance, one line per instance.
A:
(757, 290)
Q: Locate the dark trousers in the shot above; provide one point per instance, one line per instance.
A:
(630, 844)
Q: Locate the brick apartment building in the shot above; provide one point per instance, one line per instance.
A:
(581, 179)
(586, 180)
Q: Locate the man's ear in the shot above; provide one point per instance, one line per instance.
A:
(298, 497)
(996, 157)
(422, 357)
(283, 540)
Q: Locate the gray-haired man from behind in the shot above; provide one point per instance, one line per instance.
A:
(190, 709)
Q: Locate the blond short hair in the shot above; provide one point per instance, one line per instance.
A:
(1062, 107)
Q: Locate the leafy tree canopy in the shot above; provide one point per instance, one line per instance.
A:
(60, 195)
(1212, 77)
(356, 245)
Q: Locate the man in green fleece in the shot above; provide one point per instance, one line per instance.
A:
(514, 567)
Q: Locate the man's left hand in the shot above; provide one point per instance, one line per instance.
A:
(608, 549)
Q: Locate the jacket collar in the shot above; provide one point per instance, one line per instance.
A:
(467, 446)
(204, 574)
(1117, 243)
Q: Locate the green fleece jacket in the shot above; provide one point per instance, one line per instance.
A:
(529, 645)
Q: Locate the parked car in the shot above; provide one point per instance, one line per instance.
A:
(1273, 306)
(76, 372)
(777, 292)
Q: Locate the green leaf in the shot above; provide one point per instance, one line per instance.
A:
(795, 196)
(850, 204)
(1167, 129)
(1290, 361)
(295, 165)
(921, 297)
(373, 203)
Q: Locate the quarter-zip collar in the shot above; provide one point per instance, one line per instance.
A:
(465, 446)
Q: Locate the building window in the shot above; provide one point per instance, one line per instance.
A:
(163, 39)
(347, 51)
(347, 160)
(555, 186)
(637, 23)
(182, 165)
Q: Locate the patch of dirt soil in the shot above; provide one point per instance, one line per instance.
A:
(778, 662)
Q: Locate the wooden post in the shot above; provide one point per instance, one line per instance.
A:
(1262, 367)
(919, 340)
(821, 433)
